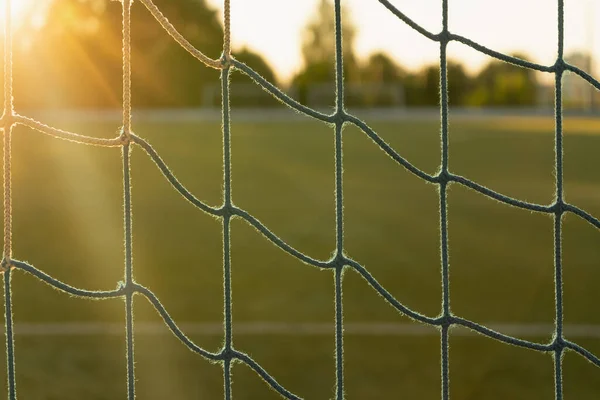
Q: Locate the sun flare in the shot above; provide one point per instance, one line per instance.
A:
(20, 10)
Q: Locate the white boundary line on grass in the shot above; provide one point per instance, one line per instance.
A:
(283, 114)
(300, 329)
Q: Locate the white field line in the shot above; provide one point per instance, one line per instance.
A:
(284, 114)
(299, 329)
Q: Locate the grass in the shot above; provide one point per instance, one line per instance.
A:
(68, 222)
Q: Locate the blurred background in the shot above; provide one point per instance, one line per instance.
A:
(67, 54)
(68, 198)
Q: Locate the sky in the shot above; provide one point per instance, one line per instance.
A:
(273, 28)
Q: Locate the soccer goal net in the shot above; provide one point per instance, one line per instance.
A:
(341, 259)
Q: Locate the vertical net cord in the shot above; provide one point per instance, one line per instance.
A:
(227, 29)
(228, 347)
(126, 136)
(6, 262)
(127, 67)
(558, 336)
(129, 289)
(225, 109)
(10, 344)
(339, 203)
(228, 354)
(444, 173)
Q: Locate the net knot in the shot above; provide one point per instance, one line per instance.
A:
(227, 354)
(7, 119)
(126, 289)
(125, 137)
(558, 344)
(444, 36)
(559, 207)
(339, 116)
(6, 265)
(228, 211)
(226, 60)
(338, 261)
(444, 176)
(560, 66)
(445, 321)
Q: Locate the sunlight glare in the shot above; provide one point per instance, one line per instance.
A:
(20, 9)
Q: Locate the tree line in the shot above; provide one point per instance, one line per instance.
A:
(497, 84)
(71, 57)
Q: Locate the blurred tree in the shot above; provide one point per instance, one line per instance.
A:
(74, 59)
(380, 68)
(318, 51)
(423, 88)
(254, 61)
(244, 91)
(503, 84)
(318, 45)
(381, 83)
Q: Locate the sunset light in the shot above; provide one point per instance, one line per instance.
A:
(20, 10)
(341, 199)
(533, 29)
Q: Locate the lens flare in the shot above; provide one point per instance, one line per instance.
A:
(20, 10)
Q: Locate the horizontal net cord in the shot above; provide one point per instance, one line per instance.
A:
(362, 271)
(178, 37)
(118, 141)
(449, 177)
(339, 262)
(66, 135)
(296, 328)
(355, 265)
(446, 36)
(120, 293)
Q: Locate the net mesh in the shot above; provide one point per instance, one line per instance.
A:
(341, 261)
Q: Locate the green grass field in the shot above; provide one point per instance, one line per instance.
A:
(68, 222)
